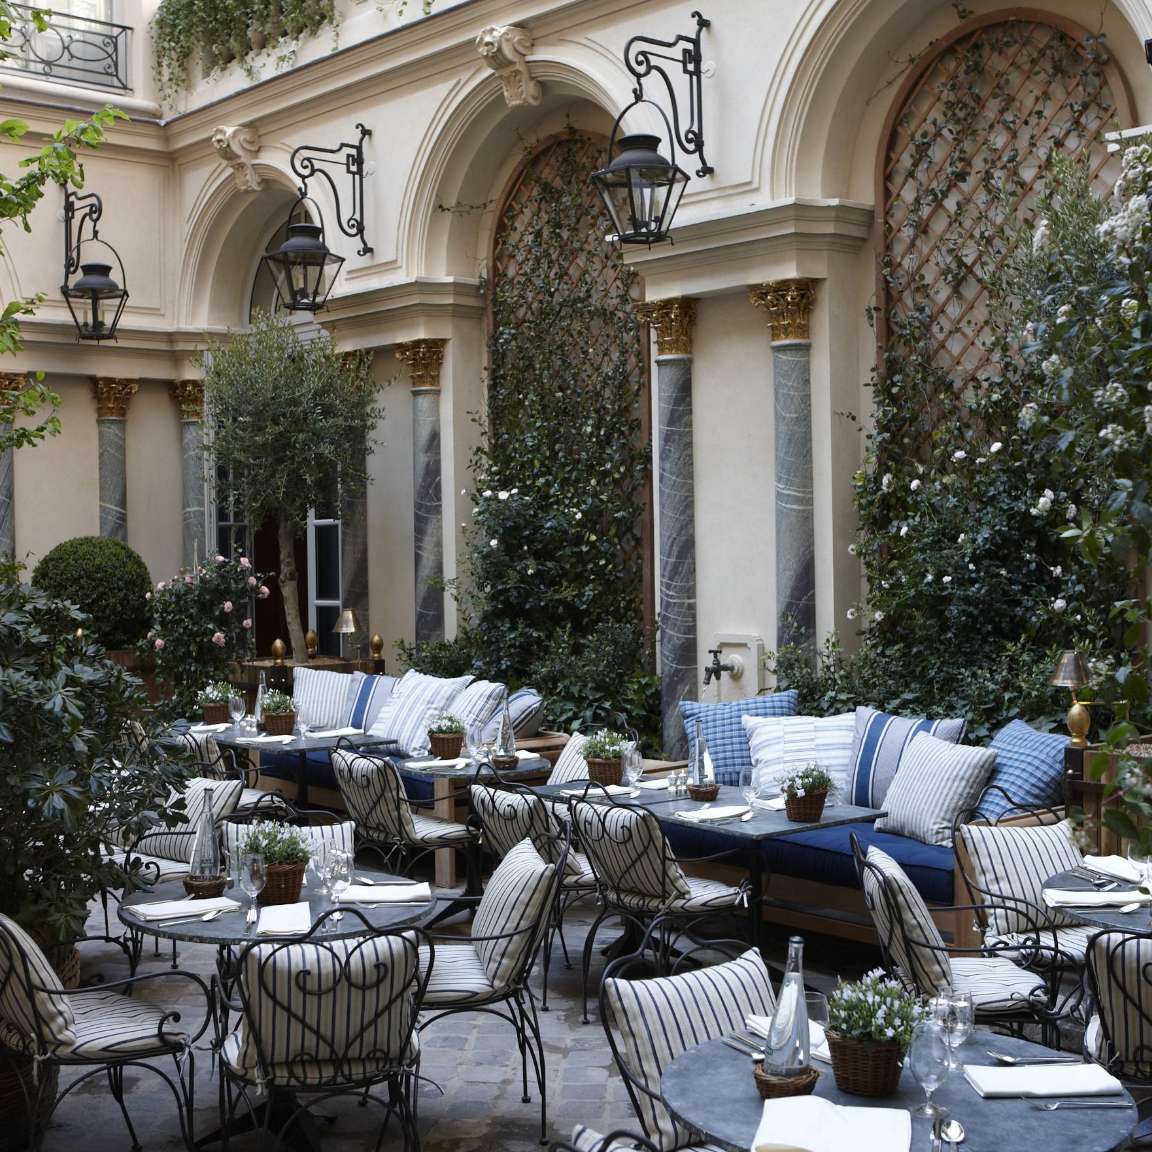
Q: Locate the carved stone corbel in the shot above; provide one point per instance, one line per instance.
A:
(504, 48)
(238, 146)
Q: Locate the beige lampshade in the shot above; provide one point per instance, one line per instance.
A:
(1071, 671)
(346, 625)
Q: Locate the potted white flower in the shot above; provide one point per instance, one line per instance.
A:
(805, 791)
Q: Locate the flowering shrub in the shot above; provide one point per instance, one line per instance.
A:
(277, 703)
(202, 623)
(875, 1007)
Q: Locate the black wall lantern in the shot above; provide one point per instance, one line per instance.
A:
(640, 187)
(94, 298)
(303, 268)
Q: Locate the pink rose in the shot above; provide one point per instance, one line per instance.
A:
(157, 643)
(251, 581)
(189, 579)
(246, 622)
(218, 639)
(245, 562)
(264, 593)
(219, 559)
(227, 605)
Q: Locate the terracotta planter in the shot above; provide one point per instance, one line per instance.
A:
(214, 713)
(446, 745)
(283, 884)
(279, 723)
(805, 809)
(605, 771)
(865, 1067)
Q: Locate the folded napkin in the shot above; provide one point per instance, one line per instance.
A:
(385, 893)
(714, 812)
(177, 909)
(611, 789)
(460, 762)
(265, 739)
(774, 804)
(1092, 898)
(1042, 1080)
(524, 754)
(817, 1041)
(1116, 866)
(205, 729)
(813, 1124)
(653, 785)
(285, 919)
(330, 732)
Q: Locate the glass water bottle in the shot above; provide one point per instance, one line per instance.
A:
(506, 739)
(787, 1052)
(258, 707)
(206, 863)
(702, 769)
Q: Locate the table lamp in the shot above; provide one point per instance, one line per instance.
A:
(1072, 673)
(345, 626)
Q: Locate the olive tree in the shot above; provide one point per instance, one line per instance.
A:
(290, 420)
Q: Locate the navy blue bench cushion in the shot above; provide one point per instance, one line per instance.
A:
(282, 766)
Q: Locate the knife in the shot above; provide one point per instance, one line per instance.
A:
(741, 1047)
(937, 1133)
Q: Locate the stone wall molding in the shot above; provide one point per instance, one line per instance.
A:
(789, 306)
(238, 146)
(113, 394)
(505, 48)
(672, 321)
(424, 359)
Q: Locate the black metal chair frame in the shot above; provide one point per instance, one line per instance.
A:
(401, 1079)
(40, 1108)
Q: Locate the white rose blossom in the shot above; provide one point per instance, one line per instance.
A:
(915, 485)
(959, 454)
(995, 448)
(1059, 604)
(852, 613)
(1052, 367)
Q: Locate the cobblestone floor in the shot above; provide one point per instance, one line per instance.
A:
(472, 1100)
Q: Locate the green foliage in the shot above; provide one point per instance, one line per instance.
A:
(202, 624)
(69, 776)
(446, 725)
(277, 703)
(807, 780)
(277, 843)
(106, 579)
(604, 744)
(875, 1008)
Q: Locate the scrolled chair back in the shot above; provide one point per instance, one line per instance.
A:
(205, 756)
(315, 825)
(586, 1140)
(33, 1007)
(374, 795)
(1119, 974)
(509, 813)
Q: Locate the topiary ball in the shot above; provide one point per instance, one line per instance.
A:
(104, 578)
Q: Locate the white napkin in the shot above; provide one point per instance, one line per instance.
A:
(460, 762)
(524, 754)
(285, 919)
(330, 732)
(611, 789)
(176, 909)
(205, 729)
(813, 1124)
(1046, 1080)
(715, 812)
(385, 893)
(774, 804)
(1091, 898)
(817, 1041)
(265, 739)
(1116, 866)
(653, 785)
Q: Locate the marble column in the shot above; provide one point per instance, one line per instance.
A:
(9, 382)
(424, 358)
(189, 397)
(113, 394)
(789, 305)
(354, 568)
(672, 321)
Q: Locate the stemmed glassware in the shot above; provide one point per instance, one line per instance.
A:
(954, 1013)
(339, 869)
(253, 876)
(631, 765)
(236, 710)
(929, 1058)
(302, 724)
(1142, 863)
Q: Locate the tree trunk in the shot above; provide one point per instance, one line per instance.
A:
(286, 535)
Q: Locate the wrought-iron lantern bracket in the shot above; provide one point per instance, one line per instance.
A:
(309, 160)
(89, 207)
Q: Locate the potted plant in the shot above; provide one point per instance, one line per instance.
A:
(870, 1023)
(446, 736)
(805, 791)
(279, 713)
(286, 854)
(213, 701)
(603, 753)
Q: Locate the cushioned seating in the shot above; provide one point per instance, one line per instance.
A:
(283, 766)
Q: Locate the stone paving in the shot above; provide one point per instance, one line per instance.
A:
(472, 1097)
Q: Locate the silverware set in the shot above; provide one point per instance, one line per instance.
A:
(1098, 880)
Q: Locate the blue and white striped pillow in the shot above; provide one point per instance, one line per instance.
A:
(366, 696)
(480, 703)
(723, 732)
(320, 696)
(881, 741)
(1029, 767)
(416, 701)
(778, 744)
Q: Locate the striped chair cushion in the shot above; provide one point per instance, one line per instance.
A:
(109, 1024)
(703, 896)
(341, 836)
(429, 831)
(628, 851)
(480, 703)
(570, 764)
(654, 1021)
(416, 700)
(778, 744)
(904, 925)
(26, 983)
(996, 984)
(515, 900)
(321, 697)
(1014, 861)
(176, 843)
(724, 733)
(1119, 966)
(588, 1140)
(509, 817)
(458, 976)
(1029, 767)
(936, 782)
(374, 795)
(210, 763)
(150, 869)
(367, 695)
(879, 743)
(328, 1004)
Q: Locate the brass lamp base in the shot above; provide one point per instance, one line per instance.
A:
(1079, 721)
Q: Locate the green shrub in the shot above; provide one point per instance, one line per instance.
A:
(105, 579)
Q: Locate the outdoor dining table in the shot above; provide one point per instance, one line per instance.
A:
(736, 835)
(710, 1088)
(1136, 923)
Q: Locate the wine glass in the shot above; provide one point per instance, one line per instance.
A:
(1142, 863)
(631, 765)
(318, 866)
(474, 743)
(748, 783)
(339, 880)
(928, 1059)
(253, 876)
(954, 1012)
(302, 725)
(236, 709)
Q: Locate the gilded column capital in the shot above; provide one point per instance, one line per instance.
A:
(672, 320)
(788, 304)
(13, 381)
(112, 396)
(189, 397)
(423, 358)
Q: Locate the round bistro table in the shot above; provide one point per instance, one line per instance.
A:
(710, 1088)
(1138, 923)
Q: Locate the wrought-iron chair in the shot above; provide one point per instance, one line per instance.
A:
(586, 1140)
(94, 1029)
(638, 877)
(489, 970)
(317, 1018)
(208, 759)
(1011, 985)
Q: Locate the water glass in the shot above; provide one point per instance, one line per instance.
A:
(1142, 862)
(236, 709)
(253, 876)
(748, 783)
(302, 725)
(631, 765)
(929, 1060)
(955, 1014)
(339, 871)
(318, 867)
(817, 1005)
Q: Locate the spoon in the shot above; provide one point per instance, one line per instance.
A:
(364, 880)
(1023, 1061)
(1053, 1105)
(1130, 907)
(952, 1132)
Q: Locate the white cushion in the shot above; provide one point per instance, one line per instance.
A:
(1119, 965)
(416, 701)
(935, 782)
(778, 744)
(26, 1004)
(996, 984)
(570, 765)
(152, 869)
(458, 975)
(320, 696)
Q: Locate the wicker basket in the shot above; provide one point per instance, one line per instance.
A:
(215, 713)
(205, 889)
(805, 809)
(774, 1087)
(445, 745)
(279, 723)
(865, 1067)
(283, 884)
(605, 771)
(705, 793)
(504, 763)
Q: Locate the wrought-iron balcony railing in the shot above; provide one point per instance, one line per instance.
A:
(71, 49)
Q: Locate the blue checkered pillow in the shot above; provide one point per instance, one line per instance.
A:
(723, 732)
(1029, 767)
